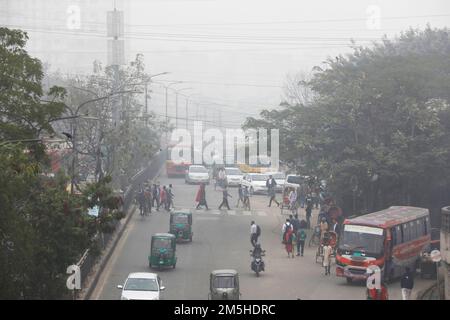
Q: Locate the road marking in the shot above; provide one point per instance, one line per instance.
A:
(231, 212)
(207, 218)
(215, 211)
(262, 213)
(246, 213)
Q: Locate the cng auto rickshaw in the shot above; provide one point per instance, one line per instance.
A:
(181, 225)
(224, 285)
(162, 251)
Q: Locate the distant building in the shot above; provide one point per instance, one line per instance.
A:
(63, 33)
(445, 249)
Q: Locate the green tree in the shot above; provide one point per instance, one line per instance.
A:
(378, 126)
(43, 229)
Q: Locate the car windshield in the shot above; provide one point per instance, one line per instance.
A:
(295, 179)
(181, 218)
(278, 175)
(141, 284)
(198, 170)
(368, 240)
(224, 282)
(162, 243)
(259, 177)
(233, 171)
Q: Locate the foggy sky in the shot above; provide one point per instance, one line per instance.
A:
(233, 53)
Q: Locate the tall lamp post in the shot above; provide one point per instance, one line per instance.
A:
(167, 97)
(176, 104)
(145, 90)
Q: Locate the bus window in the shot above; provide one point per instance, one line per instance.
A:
(394, 237)
(405, 231)
(413, 230)
(426, 225)
(419, 227)
(400, 234)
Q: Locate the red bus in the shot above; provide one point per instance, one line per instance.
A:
(391, 239)
(178, 169)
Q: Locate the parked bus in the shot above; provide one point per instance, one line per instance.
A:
(391, 239)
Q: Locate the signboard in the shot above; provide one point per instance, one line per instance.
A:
(93, 211)
(363, 229)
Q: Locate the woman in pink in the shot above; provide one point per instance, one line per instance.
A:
(288, 239)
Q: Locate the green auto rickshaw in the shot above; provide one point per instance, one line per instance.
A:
(162, 251)
(224, 285)
(181, 224)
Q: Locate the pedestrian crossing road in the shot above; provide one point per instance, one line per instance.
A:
(233, 212)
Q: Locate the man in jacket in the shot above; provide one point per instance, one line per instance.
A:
(407, 284)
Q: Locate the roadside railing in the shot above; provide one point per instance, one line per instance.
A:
(89, 258)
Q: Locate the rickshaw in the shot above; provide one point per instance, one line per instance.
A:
(330, 238)
(315, 237)
(224, 285)
(181, 224)
(162, 252)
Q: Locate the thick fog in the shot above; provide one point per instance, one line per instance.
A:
(233, 55)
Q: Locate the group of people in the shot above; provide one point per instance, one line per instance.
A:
(243, 197)
(294, 232)
(154, 196)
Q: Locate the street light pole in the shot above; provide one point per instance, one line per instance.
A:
(167, 116)
(176, 103)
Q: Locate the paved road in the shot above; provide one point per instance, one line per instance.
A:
(221, 240)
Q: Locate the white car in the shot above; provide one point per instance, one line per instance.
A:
(294, 181)
(280, 179)
(233, 176)
(142, 286)
(255, 182)
(197, 174)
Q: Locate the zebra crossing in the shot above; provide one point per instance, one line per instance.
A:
(233, 212)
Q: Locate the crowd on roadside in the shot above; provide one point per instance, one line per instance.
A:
(154, 196)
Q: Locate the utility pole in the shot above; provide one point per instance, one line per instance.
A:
(116, 57)
(146, 97)
(187, 115)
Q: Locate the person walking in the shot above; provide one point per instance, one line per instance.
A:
(148, 200)
(240, 196)
(301, 195)
(163, 196)
(293, 200)
(271, 184)
(323, 228)
(407, 284)
(140, 197)
(288, 241)
(301, 238)
(201, 197)
(221, 178)
(170, 197)
(286, 225)
(225, 196)
(255, 232)
(327, 250)
(295, 224)
(155, 196)
(246, 196)
(309, 208)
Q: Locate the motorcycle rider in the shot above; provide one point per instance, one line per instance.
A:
(257, 252)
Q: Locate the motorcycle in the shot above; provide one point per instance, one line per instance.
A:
(257, 264)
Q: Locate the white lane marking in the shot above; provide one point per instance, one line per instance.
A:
(207, 218)
(231, 212)
(246, 213)
(262, 213)
(215, 211)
